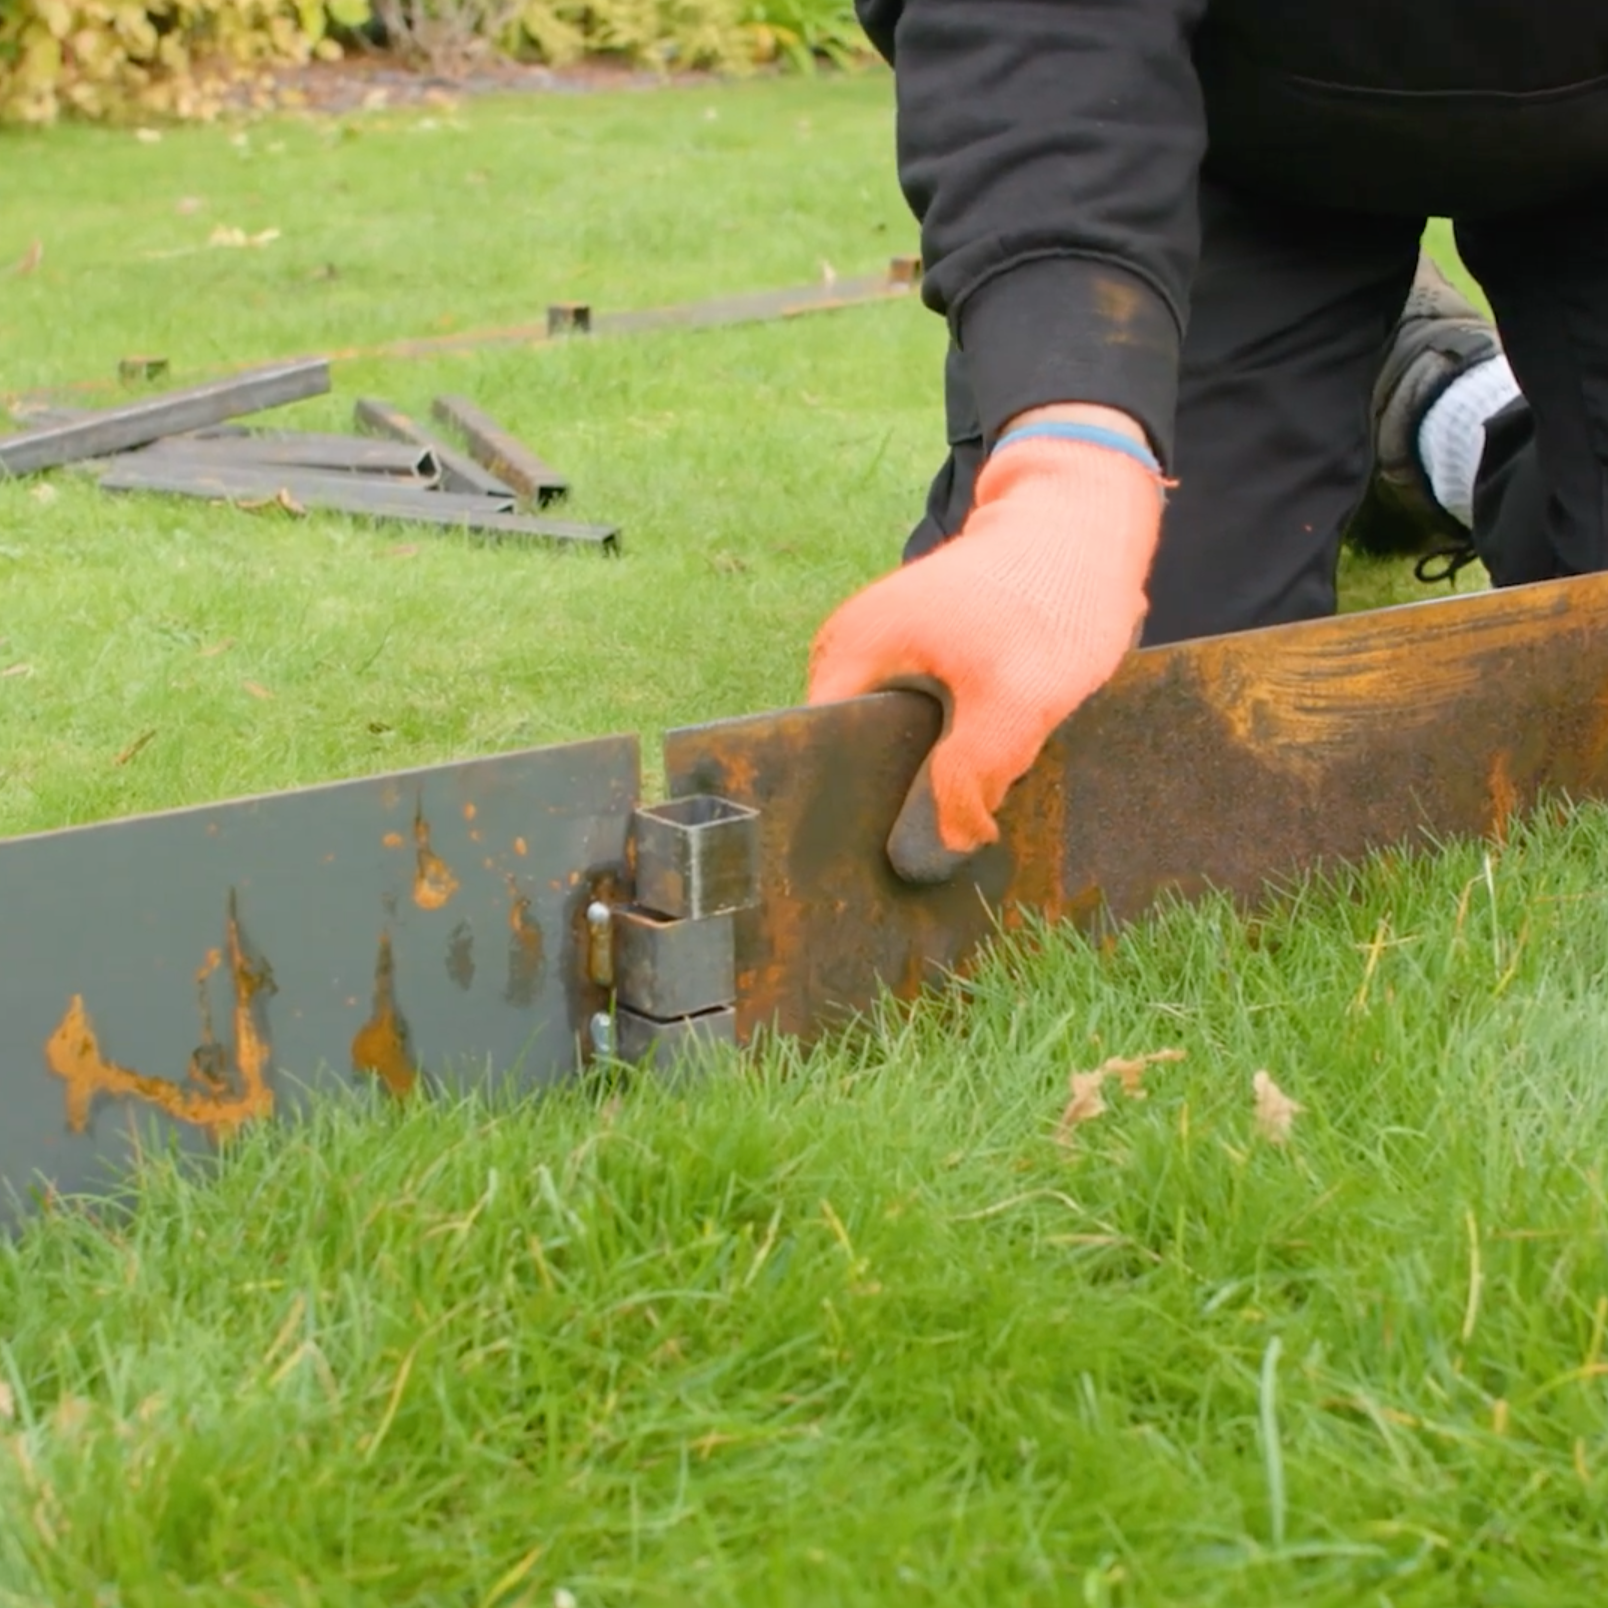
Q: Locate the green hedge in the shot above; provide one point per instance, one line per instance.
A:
(115, 60)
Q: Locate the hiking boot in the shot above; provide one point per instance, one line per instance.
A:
(1438, 338)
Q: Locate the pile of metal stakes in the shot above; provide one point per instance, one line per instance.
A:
(187, 443)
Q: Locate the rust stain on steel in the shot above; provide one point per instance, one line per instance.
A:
(461, 955)
(1226, 763)
(223, 1093)
(1504, 796)
(527, 951)
(833, 922)
(381, 1046)
(433, 881)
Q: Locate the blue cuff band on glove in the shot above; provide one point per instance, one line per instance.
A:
(1093, 434)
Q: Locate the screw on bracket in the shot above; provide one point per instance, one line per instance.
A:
(600, 944)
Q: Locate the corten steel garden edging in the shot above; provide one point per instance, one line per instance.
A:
(180, 975)
(1228, 763)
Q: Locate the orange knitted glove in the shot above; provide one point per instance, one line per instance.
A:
(1011, 624)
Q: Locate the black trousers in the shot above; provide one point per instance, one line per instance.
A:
(1290, 318)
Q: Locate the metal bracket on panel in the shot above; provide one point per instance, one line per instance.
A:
(672, 955)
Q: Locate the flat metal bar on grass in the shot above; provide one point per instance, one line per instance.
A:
(521, 530)
(112, 430)
(490, 519)
(898, 282)
(753, 307)
(494, 448)
(459, 472)
(1227, 763)
(717, 312)
(184, 974)
(38, 418)
(305, 450)
(178, 474)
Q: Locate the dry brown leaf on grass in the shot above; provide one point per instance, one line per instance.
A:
(1130, 1070)
(72, 1413)
(217, 648)
(134, 747)
(8, 1403)
(30, 259)
(280, 499)
(1275, 1110)
(227, 235)
(16, 670)
(1086, 1104)
(257, 690)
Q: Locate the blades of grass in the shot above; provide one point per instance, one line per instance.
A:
(1272, 1448)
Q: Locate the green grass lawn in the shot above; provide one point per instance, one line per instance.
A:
(760, 474)
(862, 1330)
(848, 1328)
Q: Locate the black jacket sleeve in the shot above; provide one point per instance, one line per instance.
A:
(1051, 151)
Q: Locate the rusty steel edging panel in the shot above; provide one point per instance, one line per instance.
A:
(111, 430)
(1228, 762)
(181, 974)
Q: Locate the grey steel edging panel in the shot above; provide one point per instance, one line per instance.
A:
(426, 920)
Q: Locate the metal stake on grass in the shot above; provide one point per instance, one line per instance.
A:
(352, 455)
(459, 472)
(489, 519)
(113, 430)
(182, 473)
(499, 451)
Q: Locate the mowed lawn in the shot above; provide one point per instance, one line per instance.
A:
(872, 1325)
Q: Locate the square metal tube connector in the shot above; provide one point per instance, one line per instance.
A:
(665, 968)
(645, 1042)
(696, 857)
